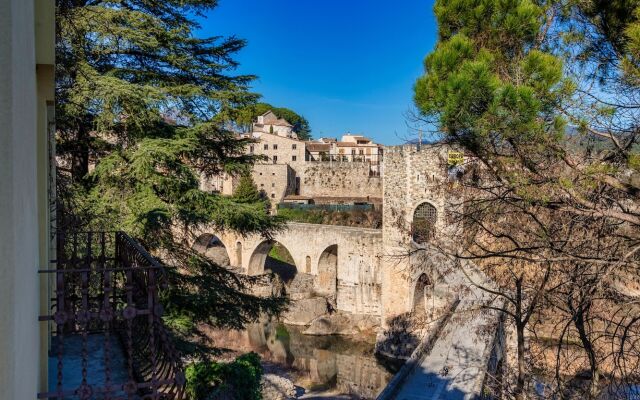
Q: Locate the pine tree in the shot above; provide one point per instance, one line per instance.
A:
(543, 95)
(247, 191)
(150, 106)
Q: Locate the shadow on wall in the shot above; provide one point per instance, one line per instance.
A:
(212, 247)
(399, 340)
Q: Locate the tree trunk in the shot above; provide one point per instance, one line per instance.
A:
(80, 155)
(579, 323)
(520, 384)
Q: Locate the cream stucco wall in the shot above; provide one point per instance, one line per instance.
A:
(26, 85)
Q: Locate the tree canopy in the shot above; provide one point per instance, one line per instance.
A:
(145, 109)
(300, 124)
(544, 98)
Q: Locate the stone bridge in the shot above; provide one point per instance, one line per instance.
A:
(344, 261)
(391, 274)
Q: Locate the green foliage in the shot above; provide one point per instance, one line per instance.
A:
(148, 104)
(300, 124)
(239, 379)
(247, 191)
(280, 253)
(485, 81)
(365, 219)
(543, 97)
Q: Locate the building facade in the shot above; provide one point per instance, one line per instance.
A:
(270, 123)
(324, 168)
(27, 58)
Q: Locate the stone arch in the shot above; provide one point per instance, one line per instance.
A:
(212, 247)
(327, 279)
(423, 223)
(422, 291)
(260, 258)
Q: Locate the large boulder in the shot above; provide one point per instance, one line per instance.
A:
(303, 311)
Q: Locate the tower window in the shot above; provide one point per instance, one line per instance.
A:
(424, 221)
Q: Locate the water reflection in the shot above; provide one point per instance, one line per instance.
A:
(317, 363)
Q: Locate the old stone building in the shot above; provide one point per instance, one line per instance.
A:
(351, 148)
(270, 123)
(278, 149)
(349, 173)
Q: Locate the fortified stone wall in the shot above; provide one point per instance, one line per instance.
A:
(347, 179)
(413, 176)
(276, 180)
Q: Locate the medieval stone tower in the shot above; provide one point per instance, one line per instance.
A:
(414, 202)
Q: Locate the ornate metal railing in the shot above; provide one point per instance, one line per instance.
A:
(107, 336)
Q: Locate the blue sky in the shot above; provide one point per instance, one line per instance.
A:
(346, 65)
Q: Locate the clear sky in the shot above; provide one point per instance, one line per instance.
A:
(346, 65)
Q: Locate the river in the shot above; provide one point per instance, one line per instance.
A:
(338, 365)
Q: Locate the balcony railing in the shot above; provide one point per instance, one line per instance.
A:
(107, 336)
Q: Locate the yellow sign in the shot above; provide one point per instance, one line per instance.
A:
(455, 158)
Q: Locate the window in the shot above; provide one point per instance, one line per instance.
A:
(361, 152)
(273, 195)
(262, 185)
(250, 149)
(273, 184)
(294, 158)
(266, 147)
(294, 146)
(424, 221)
(275, 159)
(275, 147)
(353, 152)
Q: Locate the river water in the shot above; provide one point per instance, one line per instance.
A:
(319, 364)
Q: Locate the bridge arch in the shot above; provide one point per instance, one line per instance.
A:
(212, 247)
(327, 279)
(286, 269)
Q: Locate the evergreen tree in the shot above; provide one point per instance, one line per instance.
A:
(247, 191)
(150, 106)
(544, 98)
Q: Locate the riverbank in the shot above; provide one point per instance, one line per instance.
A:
(318, 367)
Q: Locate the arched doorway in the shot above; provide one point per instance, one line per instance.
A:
(210, 246)
(327, 280)
(421, 294)
(272, 256)
(424, 223)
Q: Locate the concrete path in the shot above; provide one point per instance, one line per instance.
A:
(454, 368)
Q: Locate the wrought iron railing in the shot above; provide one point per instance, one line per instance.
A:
(107, 336)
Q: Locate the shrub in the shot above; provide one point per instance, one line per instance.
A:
(239, 379)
